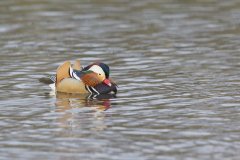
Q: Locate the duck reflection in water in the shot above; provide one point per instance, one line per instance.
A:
(96, 102)
(81, 111)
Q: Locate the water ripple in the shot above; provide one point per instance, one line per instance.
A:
(176, 64)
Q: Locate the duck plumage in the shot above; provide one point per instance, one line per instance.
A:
(92, 79)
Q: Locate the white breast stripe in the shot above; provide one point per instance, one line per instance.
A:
(88, 89)
(95, 90)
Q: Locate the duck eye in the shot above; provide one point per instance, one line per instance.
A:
(99, 74)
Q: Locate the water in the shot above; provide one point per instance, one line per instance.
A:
(176, 63)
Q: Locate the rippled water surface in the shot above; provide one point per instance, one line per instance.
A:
(176, 63)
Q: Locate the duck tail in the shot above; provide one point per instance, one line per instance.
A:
(48, 80)
(52, 78)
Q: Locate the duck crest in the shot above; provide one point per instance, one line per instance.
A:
(104, 67)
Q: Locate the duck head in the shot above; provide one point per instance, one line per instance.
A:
(102, 70)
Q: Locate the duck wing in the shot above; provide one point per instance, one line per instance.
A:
(63, 71)
(90, 78)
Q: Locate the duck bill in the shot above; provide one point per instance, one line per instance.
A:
(107, 82)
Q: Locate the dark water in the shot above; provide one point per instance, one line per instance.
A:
(176, 63)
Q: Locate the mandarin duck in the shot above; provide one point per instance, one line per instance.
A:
(93, 79)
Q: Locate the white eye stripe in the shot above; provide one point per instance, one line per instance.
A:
(97, 69)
